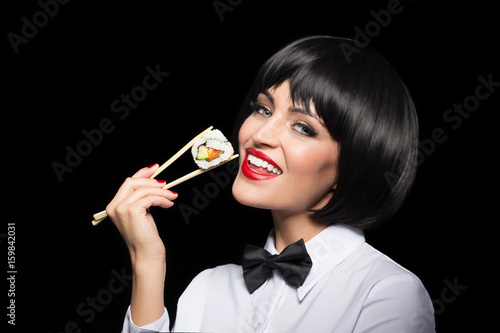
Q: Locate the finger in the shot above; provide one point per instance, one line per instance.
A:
(129, 186)
(155, 201)
(132, 184)
(146, 172)
(145, 191)
(140, 207)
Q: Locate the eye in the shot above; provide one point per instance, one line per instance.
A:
(260, 109)
(305, 129)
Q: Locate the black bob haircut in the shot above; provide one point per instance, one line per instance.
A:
(366, 108)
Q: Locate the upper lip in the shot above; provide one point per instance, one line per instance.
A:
(262, 156)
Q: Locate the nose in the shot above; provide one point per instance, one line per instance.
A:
(268, 133)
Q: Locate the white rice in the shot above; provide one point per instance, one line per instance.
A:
(216, 140)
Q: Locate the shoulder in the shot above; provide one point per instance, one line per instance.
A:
(219, 276)
(392, 293)
(228, 271)
(211, 286)
(384, 274)
(380, 268)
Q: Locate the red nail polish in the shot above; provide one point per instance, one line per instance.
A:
(161, 181)
(152, 165)
(173, 192)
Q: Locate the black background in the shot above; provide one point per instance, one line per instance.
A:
(64, 79)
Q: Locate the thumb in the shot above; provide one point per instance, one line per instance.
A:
(146, 172)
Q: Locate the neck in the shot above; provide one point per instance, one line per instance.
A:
(291, 227)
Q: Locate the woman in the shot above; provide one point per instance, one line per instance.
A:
(327, 145)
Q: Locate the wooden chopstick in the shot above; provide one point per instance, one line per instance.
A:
(98, 217)
(196, 173)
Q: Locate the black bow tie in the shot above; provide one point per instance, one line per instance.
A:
(293, 263)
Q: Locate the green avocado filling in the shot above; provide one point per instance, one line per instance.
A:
(202, 153)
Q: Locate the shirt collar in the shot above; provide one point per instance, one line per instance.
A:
(327, 249)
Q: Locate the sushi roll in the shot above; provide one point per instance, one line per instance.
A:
(211, 149)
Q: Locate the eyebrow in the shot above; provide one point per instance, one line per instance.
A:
(305, 112)
(268, 95)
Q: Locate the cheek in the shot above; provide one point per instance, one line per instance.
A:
(319, 174)
(247, 128)
(313, 174)
(312, 160)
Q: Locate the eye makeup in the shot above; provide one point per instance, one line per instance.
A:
(301, 127)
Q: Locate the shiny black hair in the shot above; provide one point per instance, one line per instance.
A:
(366, 108)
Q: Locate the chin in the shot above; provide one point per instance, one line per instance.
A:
(250, 196)
(244, 194)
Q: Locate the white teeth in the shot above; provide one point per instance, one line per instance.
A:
(272, 168)
(264, 164)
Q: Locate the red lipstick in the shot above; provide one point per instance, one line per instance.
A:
(253, 175)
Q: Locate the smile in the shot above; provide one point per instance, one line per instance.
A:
(258, 166)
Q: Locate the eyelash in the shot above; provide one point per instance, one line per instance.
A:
(304, 129)
(256, 107)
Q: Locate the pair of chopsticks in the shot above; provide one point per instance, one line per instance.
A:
(98, 217)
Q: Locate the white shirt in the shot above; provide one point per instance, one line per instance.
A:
(351, 288)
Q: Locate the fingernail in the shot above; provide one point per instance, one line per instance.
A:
(152, 165)
(161, 181)
(173, 192)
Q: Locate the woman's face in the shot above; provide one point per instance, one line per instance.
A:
(288, 159)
